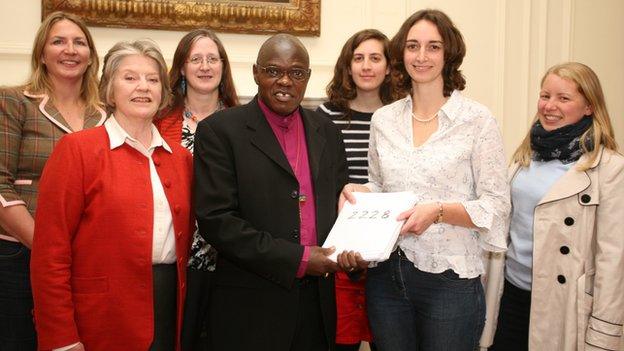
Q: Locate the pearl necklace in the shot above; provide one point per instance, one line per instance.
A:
(425, 120)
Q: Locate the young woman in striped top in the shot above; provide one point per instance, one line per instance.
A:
(361, 85)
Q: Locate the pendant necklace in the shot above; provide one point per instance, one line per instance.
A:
(188, 114)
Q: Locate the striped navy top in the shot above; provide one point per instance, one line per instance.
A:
(355, 132)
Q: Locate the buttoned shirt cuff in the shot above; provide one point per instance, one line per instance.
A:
(65, 348)
(303, 265)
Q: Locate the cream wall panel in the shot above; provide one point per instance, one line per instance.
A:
(19, 24)
(598, 41)
(515, 95)
(388, 15)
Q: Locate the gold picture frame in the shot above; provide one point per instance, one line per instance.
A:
(298, 17)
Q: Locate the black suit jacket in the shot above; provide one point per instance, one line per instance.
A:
(246, 201)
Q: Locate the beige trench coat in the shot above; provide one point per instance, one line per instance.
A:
(578, 263)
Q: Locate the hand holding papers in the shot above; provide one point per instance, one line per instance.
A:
(370, 226)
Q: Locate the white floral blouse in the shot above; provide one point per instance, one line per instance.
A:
(464, 162)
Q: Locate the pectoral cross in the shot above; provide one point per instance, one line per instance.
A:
(302, 200)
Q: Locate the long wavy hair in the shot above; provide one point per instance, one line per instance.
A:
(454, 52)
(342, 88)
(601, 130)
(39, 81)
(227, 91)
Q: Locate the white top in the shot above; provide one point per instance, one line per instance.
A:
(528, 188)
(163, 245)
(463, 161)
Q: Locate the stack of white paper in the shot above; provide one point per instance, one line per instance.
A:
(370, 226)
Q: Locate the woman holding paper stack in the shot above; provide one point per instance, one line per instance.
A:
(448, 150)
(361, 84)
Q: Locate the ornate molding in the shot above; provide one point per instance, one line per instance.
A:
(299, 17)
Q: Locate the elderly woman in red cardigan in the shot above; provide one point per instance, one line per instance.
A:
(113, 227)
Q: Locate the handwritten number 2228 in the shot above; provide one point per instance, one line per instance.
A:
(364, 214)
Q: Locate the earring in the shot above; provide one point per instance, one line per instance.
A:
(183, 85)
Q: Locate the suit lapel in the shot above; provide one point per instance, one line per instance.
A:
(315, 141)
(263, 138)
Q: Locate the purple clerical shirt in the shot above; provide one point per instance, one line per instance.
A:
(290, 134)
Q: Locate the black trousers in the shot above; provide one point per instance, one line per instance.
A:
(17, 331)
(310, 332)
(512, 331)
(165, 297)
(195, 325)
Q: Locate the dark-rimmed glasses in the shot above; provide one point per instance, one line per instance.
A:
(274, 72)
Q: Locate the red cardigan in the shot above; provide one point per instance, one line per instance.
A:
(170, 125)
(91, 265)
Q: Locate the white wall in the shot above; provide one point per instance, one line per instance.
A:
(510, 44)
(598, 40)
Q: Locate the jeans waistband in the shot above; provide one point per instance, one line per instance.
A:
(399, 254)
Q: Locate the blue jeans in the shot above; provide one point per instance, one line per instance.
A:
(17, 332)
(411, 310)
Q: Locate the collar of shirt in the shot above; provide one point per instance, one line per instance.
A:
(117, 136)
(284, 122)
(450, 109)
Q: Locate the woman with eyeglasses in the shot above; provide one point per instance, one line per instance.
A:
(201, 82)
(361, 84)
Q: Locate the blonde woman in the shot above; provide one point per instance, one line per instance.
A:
(564, 272)
(60, 97)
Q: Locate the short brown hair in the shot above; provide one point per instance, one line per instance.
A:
(123, 49)
(342, 88)
(454, 51)
(227, 91)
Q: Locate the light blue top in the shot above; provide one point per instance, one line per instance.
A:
(527, 189)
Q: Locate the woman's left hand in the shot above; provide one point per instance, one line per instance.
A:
(419, 218)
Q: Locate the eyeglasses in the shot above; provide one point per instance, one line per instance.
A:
(198, 60)
(297, 74)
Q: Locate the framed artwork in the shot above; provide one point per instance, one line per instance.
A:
(298, 17)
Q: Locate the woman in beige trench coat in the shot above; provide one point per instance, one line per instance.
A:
(563, 276)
